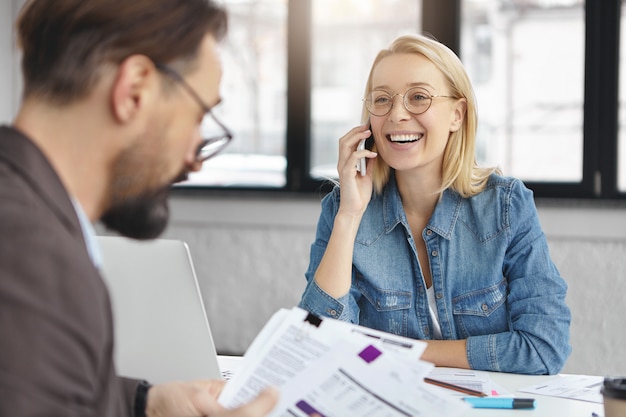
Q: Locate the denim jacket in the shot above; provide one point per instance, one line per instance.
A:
(494, 281)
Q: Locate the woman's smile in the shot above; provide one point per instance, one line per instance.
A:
(404, 137)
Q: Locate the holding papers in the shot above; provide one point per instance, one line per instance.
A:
(334, 368)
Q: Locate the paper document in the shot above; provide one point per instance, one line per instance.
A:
(574, 387)
(334, 368)
(468, 378)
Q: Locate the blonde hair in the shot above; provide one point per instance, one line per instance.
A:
(460, 171)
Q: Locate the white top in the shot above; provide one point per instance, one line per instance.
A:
(432, 306)
(89, 234)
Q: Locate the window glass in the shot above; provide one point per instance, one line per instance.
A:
(347, 35)
(526, 60)
(254, 84)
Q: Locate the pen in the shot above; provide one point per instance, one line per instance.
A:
(501, 402)
(453, 387)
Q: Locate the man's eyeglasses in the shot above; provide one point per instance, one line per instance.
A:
(215, 136)
(416, 100)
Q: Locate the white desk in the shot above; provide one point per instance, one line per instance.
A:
(545, 406)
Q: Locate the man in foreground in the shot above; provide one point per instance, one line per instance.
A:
(114, 95)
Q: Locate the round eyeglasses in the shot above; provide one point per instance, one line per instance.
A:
(416, 100)
(215, 135)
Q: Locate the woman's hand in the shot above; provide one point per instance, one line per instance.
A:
(356, 189)
(334, 273)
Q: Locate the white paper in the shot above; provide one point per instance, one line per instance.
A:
(574, 387)
(345, 384)
(277, 354)
(325, 367)
(468, 378)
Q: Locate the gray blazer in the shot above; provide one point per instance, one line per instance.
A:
(56, 327)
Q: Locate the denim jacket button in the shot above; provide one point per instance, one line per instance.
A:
(332, 312)
(434, 253)
(485, 307)
(439, 296)
(429, 232)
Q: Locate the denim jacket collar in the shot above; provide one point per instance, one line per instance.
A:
(442, 221)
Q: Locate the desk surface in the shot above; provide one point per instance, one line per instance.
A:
(545, 406)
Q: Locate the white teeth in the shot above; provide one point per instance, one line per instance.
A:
(405, 138)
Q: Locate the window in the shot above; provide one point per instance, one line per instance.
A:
(545, 73)
(294, 74)
(254, 88)
(569, 151)
(526, 60)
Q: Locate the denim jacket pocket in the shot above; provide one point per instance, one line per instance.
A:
(482, 311)
(384, 309)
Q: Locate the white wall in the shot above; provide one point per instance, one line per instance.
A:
(251, 253)
(9, 68)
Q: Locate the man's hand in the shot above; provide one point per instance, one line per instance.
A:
(199, 398)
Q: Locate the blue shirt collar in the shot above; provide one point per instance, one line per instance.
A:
(89, 234)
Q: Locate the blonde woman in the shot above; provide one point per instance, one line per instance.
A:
(427, 244)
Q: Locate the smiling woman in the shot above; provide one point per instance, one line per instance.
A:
(428, 244)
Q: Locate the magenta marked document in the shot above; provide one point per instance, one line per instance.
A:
(333, 368)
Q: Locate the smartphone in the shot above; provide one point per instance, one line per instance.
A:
(364, 144)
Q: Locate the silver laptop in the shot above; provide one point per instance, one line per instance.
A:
(161, 328)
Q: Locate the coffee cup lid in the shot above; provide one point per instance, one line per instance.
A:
(614, 388)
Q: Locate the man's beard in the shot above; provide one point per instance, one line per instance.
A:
(141, 217)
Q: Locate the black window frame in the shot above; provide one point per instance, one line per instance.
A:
(601, 102)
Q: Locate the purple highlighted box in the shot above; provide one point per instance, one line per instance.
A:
(369, 354)
(306, 407)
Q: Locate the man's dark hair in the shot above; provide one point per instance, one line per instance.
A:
(66, 42)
